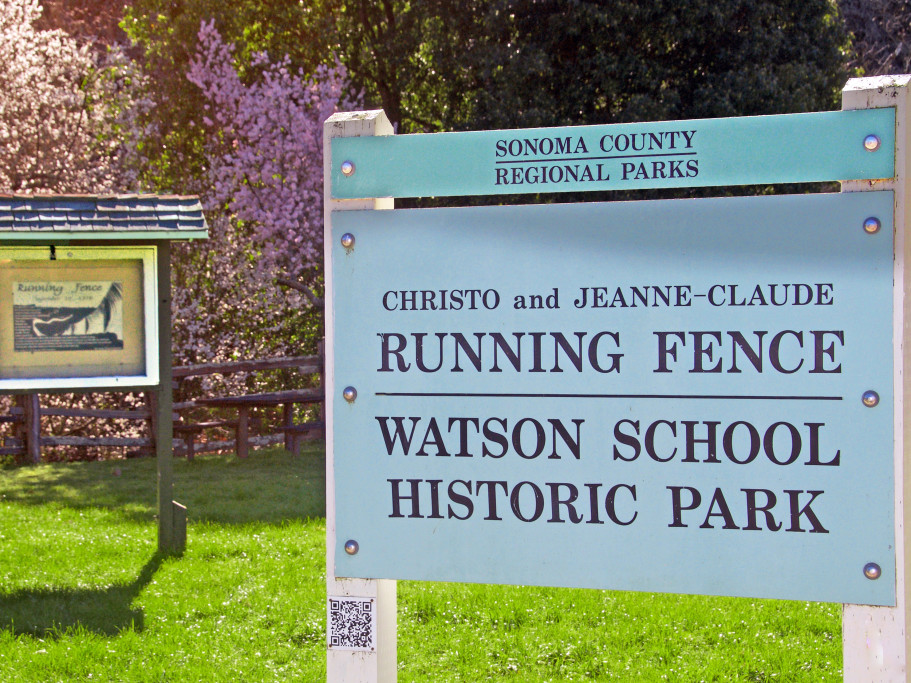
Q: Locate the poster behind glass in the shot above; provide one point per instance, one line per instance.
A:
(72, 318)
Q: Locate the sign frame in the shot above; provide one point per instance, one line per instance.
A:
(875, 643)
(875, 639)
(379, 662)
(148, 334)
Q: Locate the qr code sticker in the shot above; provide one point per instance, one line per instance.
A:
(352, 623)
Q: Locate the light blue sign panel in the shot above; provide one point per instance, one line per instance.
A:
(656, 396)
(793, 148)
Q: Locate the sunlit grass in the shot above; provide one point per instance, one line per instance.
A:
(543, 634)
(84, 596)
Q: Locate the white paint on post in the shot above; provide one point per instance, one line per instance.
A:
(352, 665)
(875, 639)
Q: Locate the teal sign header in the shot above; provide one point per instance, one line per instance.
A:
(794, 148)
(657, 396)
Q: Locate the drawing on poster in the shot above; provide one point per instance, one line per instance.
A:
(67, 316)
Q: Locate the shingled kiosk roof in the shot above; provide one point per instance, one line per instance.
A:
(104, 217)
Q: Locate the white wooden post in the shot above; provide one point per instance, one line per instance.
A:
(876, 642)
(344, 665)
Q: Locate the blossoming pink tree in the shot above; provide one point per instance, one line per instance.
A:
(66, 126)
(64, 109)
(261, 268)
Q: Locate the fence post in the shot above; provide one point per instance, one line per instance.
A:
(150, 398)
(346, 665)
(19, 429)
(32, 413)
(876, 639)
(321, 354)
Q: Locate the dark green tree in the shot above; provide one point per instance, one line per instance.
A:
(438, 65)
(414, 59)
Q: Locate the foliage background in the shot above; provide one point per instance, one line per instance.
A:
(432, 65)
(225, 98)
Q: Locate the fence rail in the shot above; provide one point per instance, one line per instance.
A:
(27, 412)
(305, 364)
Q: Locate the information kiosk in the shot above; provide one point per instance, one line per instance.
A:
(85, 305)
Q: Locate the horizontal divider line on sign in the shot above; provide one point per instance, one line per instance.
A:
(733, 397)
(600, 158)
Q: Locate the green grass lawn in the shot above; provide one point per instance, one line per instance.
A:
(84, 596)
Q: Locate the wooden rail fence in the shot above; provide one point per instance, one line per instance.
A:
(234, 415)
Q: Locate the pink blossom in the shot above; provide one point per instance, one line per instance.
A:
(64, 111)
(264, 161)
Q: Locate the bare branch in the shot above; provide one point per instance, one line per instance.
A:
(314, 300)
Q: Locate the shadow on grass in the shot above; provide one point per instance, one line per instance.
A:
(49, 613)
(269, 486)
(128, 487)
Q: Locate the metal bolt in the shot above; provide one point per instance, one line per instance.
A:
(349, 394)
(348, 239)
(872, 225)
(351, 547)
(871, 399)
(872, 571)
(348, 166)
(871, 144)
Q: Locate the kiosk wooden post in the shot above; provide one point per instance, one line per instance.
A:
(876, 639)
(376, 662)
(164, 424)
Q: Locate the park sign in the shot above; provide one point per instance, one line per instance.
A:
(692, 395)
(619, 395)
